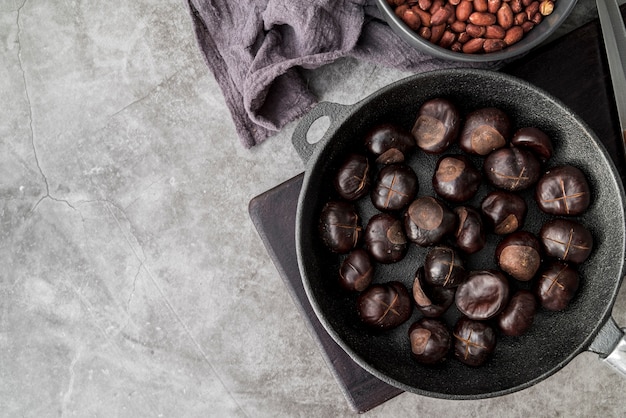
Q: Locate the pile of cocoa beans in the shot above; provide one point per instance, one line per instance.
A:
(472, 26)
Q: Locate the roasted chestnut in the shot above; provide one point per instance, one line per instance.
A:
(356, 271)
(557, 286)
(444, 267)
(455, 178)
(519, 254)
(535, 140)
(428, 220)
(512, 168)
(470, 233)
(395, 187)
(385, 305)
(519, 314)
(504, 211)
(385, 239)
(437, 125)
(474, 341)
(432, 301)
(485, 130)
(563, 190)
(353, 177)
(483, 295)
(430, 340)
(567, 240)
(339, 226)
(389, 143)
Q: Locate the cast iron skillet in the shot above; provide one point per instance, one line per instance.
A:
(555, 337)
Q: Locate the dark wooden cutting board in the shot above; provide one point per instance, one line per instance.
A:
(572, 68)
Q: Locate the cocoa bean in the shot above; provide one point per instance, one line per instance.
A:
(532, 9)
(447, 39)
(482, 18)
(493, 6)
(494, 32)
(411, 19)
(424, 4)
(464, 10)
(513, 35)
(458, 26)
(473, 46)
(505, 16)
(441, 16)
(493, 45)
(480, 5)
(475, 31)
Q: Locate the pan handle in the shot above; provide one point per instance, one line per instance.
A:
(335, 112)
(610, 344)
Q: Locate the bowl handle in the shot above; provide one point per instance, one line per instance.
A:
(333, 111)
(610, 344)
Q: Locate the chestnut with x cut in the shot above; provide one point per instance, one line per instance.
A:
(512, 168)
(564, 191)
(474, 341)
(395, 187)
(385, 306)
(567, 240)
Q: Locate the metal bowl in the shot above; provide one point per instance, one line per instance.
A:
(533, 38)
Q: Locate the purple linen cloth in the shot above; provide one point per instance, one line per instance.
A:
(255, 47)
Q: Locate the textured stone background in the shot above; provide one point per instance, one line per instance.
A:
(133, 282)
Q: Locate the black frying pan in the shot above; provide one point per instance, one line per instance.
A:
(555, 337)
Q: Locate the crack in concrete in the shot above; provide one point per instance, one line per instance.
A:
(30, 116)
(70, 386)
(166, 300)
(109, 204)
(132, 292)
(147, 94)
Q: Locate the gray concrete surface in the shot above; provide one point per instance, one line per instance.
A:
(132, 281)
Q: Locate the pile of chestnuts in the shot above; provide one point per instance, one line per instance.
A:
(533, 270)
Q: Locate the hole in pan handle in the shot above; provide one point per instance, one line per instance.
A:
(610, 344)
(313, 128)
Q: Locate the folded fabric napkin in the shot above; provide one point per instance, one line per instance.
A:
(255, 47)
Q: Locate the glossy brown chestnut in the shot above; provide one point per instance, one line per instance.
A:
(428, 220)
(395, 187)
(519, 314)
(474, 341)
(456, 179)
(353, 177)
(340, 226)
(356, 271)
(512, 168)
(483, 295)
(384, 306)
(389, 143)
(557, 285)
(519, 255)
(432, 301)
(385, 239)
(444, 267)
(567, 240)
(564, 191)
(505, 212)
(430, 341)
(437, 125)
(485, 130)
(470, 233)
(535, 140)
